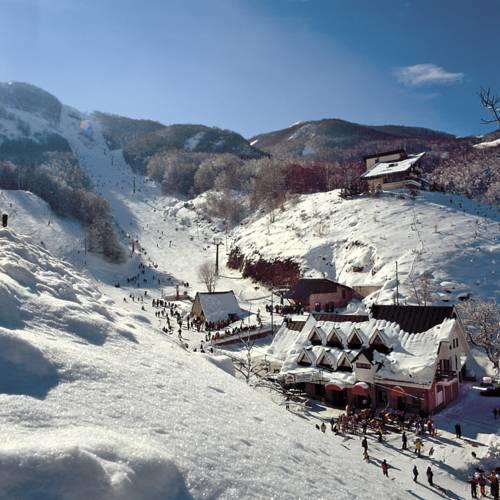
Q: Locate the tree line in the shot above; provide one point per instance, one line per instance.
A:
(90, 209)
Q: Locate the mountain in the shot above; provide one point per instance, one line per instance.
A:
(188, 138)
(338, 139)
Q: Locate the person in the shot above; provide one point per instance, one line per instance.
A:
(364, 444)
(458, 430)
(482, 484)
(418, 447)
(473, 487)
(493, 485)
(323, 427)
(415, 474)
(385, 468)
(365, 456)
(404, 439)
(430, 475)
(379, 433)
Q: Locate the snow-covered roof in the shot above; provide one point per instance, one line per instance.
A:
(412, 358)
(217, 306)
(392, 167)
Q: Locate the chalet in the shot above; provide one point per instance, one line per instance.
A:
(375, 363)
(392, 170)
(216, 306)
(320, 294)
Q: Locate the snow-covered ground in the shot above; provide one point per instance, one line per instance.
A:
(96, 402)
(454, 241)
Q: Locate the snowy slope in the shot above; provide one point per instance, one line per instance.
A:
(454, 240)
(95, 404)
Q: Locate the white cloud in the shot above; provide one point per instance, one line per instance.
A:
(424, 74)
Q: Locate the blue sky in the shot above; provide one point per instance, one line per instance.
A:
(259, 65)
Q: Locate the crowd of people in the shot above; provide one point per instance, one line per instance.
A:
(379, 424)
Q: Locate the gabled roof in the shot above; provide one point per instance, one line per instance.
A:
(367, 352)
(392, 167)
(306, 286)
(218, 306)
(413, 319)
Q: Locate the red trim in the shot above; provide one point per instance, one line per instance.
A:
(334, 387)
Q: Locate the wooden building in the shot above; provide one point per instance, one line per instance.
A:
(320, 294)
(216, 306)
(392, 170)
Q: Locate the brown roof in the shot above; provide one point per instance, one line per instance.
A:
(385, 153)
(413, 319)
(295, 325)
(339, 318)
(301, 291)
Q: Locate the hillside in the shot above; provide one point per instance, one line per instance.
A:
(334, 139)
(96, 404)
(448, 242)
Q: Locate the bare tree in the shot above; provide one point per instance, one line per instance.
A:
(252, 369)
(481, 320)
(491, 103)
(208, 275)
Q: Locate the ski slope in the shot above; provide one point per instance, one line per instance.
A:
(95, 404)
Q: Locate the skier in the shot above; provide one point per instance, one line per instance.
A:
(323, 427)
(379, 433)
(430, 475)
(458, 430)
(385, 468)
(415, 474)
(404, 440)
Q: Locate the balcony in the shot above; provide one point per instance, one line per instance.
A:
(445, 375)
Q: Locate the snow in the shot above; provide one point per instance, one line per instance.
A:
(448, 237)
(308, 149)
(96, 402)
(413, 357)
(384, 168)
(193, 141)
(488, 144)
(127, 414)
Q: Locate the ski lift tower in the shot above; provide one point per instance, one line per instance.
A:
(217, 243)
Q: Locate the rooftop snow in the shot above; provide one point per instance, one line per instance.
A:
(218, 306)
(384, 168)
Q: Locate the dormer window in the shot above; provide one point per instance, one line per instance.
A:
(344, 365)
(334, 340)
(355, 341)
(378, 343)
(324, 363)
(304, 360)
(315, 339)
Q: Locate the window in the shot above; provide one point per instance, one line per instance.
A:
(363, 366)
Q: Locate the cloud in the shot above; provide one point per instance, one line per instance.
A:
(426, 74)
